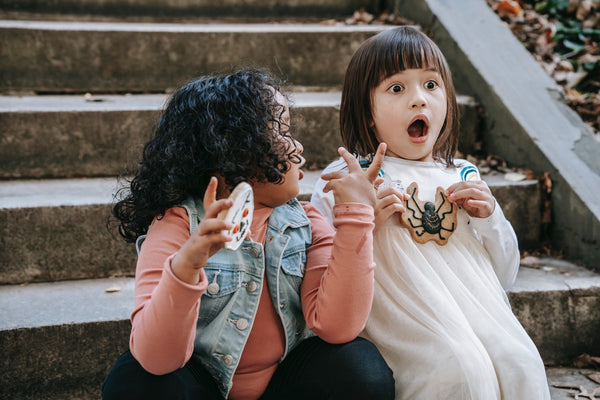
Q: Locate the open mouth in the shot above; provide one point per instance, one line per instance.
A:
(417, 129)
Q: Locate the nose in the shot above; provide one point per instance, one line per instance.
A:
(299, 150)
(418, 100)
(299, 147)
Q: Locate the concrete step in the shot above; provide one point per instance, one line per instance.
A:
(65, 338)
(187, 8)
(567, 382)
(61, 338)
(79, 57)
(54, 230)
(73, 136)
(558, 303)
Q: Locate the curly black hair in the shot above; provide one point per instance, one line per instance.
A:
(227, 125)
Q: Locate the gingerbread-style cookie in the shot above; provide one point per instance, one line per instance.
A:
(427, 221)
(240, 214)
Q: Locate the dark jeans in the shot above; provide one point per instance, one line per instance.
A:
(313, 370)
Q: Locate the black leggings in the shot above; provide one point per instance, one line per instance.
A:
(313, 370)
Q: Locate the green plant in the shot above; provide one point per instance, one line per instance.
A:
(571, 35)
(573, 38)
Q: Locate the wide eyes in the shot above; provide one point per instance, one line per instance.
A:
(430, 85)
(396, 88)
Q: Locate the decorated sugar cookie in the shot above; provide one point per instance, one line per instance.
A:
(428, 221)
(240, 214)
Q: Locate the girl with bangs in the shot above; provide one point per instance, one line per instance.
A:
(445, 253)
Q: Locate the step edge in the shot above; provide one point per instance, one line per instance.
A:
(29, 193)
(187, 27)
(49, 297)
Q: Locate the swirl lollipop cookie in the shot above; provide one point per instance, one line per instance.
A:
(240, 214)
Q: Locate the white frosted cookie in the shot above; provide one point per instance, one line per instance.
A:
(240, 214)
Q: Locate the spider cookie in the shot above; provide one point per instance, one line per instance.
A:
(427, 221)
(240, 214)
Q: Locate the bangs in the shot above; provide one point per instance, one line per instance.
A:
(401, 51)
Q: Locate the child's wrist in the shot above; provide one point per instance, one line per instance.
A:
(184, 273)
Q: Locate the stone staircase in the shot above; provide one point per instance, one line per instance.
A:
(81, 86)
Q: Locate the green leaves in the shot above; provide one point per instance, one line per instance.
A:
(571, 34)
(551, 7)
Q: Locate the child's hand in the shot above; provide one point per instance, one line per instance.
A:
(475, 197)
(355, 186)
(206, 240)
(389, 201)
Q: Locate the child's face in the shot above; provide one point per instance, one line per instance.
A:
(272, 194)
(409, 110)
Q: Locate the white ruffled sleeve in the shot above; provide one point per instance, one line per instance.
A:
(500, 241)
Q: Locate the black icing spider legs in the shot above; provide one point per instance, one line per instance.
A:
(431, 220)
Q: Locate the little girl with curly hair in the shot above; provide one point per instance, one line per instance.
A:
(276, 318)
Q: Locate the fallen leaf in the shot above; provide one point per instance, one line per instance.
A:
(546, 183)
(509, 7)
(594, 376)
(360, 17)
(514, 177)
(113, 289)
(329, 22)
(585, 360)
(584, 9)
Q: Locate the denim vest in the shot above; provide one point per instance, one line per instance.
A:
(235, 278)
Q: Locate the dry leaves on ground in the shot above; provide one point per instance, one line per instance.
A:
(563, 36)
(586, 361)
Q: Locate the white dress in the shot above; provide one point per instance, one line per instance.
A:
(440, 315)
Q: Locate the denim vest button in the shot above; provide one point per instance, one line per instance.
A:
(255, 252)
(252, 286)
(241, 324)
(213, 288)
(228, 360)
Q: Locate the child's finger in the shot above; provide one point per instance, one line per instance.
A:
(377, 163)
(216, 207)
(351, 161)
(212, 225)
(210, 195)
(391, 200)
(466, 193)
(476, 203)
(333, 175)
(217, 238)
(391, 209)
(329, 186)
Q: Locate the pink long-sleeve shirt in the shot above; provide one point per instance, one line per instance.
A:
(336, 291)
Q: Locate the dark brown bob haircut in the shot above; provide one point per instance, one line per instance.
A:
(379, 57)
